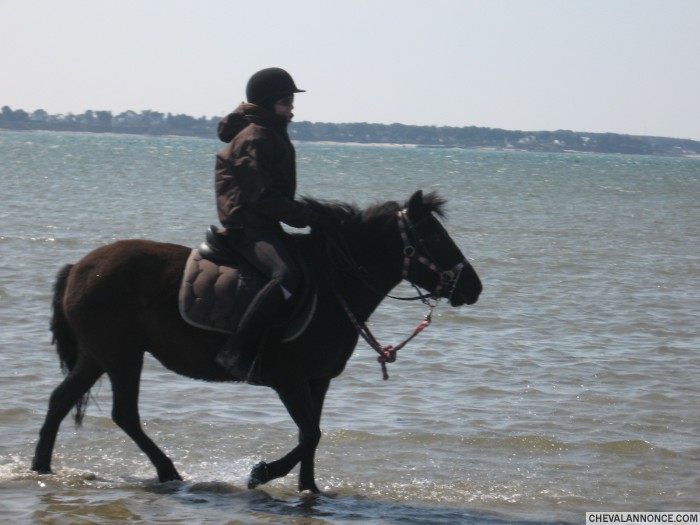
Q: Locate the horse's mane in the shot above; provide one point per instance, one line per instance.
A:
(345, 213)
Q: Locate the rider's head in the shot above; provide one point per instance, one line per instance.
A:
(270, 85)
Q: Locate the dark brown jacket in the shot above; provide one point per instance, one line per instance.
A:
(256, 172)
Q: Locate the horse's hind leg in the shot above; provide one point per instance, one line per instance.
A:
(125, 380)
(76, 384)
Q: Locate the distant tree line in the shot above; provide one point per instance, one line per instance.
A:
(155, 123)
(476, 137)
(143, 123)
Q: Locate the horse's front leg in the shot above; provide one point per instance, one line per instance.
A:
(301, 404)
(306, 471)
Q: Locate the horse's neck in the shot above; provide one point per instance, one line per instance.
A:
(378, 271)
(365, 294)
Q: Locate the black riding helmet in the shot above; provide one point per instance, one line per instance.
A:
(269, 85)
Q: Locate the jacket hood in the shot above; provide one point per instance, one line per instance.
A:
(245, 114)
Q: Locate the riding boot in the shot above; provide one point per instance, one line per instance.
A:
(238, 355)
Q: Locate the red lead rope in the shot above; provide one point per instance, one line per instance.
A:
(387, 354)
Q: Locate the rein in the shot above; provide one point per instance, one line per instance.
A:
(387, 353)
(448, 278)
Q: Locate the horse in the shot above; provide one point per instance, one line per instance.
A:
(121, 300)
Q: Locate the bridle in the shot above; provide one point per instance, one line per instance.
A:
(446, 278)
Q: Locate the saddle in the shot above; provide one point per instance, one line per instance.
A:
(218, 285)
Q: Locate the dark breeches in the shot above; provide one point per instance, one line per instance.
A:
(268, 252)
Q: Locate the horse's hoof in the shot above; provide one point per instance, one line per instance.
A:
(176, 477)
(168, 475)
(258, 476)
(41, 470)
(308, 486)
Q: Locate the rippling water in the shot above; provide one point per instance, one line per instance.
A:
(571, 386)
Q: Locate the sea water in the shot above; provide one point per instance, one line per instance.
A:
(571, 386)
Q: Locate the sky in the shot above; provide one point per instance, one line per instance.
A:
(619, 66)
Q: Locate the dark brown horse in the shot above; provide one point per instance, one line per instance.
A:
(120, 301)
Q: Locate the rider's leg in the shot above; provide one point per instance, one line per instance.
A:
(238, 354)
(267, 252)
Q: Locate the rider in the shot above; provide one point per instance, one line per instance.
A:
(255, 187)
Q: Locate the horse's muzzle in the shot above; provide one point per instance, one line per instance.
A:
(467, 289)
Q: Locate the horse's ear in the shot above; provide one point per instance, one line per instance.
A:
(415, 203)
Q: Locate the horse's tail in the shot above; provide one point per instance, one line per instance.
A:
(64, 338)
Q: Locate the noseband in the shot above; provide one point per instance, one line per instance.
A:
(446, 278)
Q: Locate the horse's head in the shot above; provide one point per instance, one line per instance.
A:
(431, 258)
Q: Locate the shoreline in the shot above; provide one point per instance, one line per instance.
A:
(392, 145)
(486, 148)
